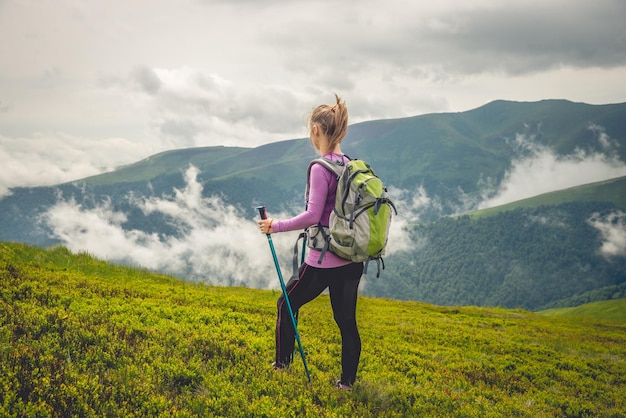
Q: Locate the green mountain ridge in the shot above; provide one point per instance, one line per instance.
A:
(610, 191)
(82, 337)
(426, 146)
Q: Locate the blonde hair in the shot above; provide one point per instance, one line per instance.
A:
(332, 120)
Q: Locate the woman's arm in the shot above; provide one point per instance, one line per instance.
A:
(320, 178)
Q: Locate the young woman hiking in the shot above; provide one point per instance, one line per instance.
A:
(327, 128)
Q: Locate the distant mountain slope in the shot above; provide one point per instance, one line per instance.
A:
(611, 191)
(444, 153)
(541, 251)
(612, 310)
(441, 151)
(527, 258)
(166, 164)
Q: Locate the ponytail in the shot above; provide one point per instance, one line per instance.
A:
(332, 120)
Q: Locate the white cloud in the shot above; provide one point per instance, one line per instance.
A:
(197, 73)
(48, 159)
(411, 207)
(607, 144)
(541, 170)
(214, 243)
(612, 228)
(193, 108)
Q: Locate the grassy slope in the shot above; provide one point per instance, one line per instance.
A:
(612, 191)
(80, 336)
(165, 163)
(612, 310)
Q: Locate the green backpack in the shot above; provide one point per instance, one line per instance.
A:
(360, 220)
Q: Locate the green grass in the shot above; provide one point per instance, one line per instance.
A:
(81, 337)
(610, 310)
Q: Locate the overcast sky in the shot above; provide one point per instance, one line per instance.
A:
(88, 85)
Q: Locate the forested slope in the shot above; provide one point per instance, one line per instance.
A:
(529, 258)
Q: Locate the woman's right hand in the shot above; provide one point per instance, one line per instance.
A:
(266, 226)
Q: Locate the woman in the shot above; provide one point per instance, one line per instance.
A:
(328, 126)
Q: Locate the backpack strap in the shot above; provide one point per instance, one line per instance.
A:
(326, 238)
(335, 167)
(302, 236)
(379, 261)
(381, 201)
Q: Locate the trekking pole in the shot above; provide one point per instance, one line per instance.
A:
(263, 215)
(301, 262)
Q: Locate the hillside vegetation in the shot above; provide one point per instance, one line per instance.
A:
(612, 191)
(611, 310)
(522, 258)
(81, 337)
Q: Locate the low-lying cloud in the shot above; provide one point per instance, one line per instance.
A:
(214, 242)
(412, 207)
(541, 170)
(612, 229)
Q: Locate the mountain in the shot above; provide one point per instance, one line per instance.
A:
(530, 254)
(82, 337)
(442, 151)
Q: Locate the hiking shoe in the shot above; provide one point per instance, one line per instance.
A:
(278, 366)
(342, 386)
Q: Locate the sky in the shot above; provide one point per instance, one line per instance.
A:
(88, 86)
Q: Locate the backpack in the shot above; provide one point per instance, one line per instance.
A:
(360, 220)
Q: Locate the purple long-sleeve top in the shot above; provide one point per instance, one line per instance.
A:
(323, 188)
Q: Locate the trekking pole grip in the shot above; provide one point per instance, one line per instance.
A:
(262, 213)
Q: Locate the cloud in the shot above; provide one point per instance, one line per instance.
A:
(607, 144)
(214, 243)
(161, 76)
(48, 159)
(4, 107)
(612, 228)
(527, 37)
(541, 170)
(411, 206)
(147, 80)
(453, 39)
(189, 107)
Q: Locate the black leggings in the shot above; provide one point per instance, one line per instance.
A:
(343, 285)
